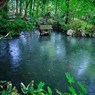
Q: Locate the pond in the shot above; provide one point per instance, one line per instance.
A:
(47, 58)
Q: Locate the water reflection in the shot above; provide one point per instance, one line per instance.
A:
(14, 52)
(84, 61)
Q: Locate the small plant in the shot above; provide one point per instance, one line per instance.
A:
(73, 91)
(6, 88)
(30, 90)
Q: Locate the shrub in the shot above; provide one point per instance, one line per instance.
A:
(15, 27)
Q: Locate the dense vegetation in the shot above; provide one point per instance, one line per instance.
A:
(7, 89)
(24, 15)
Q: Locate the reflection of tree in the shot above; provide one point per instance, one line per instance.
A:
(91, 70)
(14, 52)
(78, 54)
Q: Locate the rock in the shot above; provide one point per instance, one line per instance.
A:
(83, 34)
(70, 32)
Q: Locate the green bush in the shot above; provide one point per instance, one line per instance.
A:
(15, 27)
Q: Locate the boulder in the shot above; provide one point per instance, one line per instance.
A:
(83, 34)
(70, 32)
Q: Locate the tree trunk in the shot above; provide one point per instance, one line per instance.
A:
(67, 13)
(37, 8)
(26, 3)
(3, 3)
(56, 6)
(16, 6)
(33, 7)
(30, 7)
(21, 7)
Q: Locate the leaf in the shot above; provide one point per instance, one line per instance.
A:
(72, 90)
(66, 94)
(82, 87)
(40, 85)
(58, 92)
(9, 87)
(80, 93)
(69, 78)
(2, 82)
(49, 90)
(24, 89)
(30, 87)
(3, 92)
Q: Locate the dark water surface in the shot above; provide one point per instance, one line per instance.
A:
(47, 58)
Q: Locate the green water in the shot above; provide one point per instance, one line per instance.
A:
(47, 58)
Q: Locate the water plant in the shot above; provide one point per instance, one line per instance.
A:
(39, 89)
(72, 89)
(7, 89)
(30, 89)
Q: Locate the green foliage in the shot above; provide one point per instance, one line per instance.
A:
(14, 27)
(49, 90)
(71, 88)
(7, 88)
(75, 25)
(82, 87)
(32, 89)
(60, 93)
(70, 79)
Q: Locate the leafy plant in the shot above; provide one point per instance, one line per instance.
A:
(60, 93)
(15, 27)
(30, 90)
(39, 89)
(7, 88)
(71, 88)
(70, 79)
(82, 87)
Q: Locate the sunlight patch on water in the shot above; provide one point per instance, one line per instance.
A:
(84, 62)
(14, 53)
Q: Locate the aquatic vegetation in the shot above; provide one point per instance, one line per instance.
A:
(7, 89)
(72, 89)
(32, 89)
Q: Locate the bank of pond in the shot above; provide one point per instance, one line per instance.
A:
(76, 27)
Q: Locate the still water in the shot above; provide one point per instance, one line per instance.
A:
(47, 58)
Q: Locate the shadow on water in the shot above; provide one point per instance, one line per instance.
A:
(47, 58)
(44, 38)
